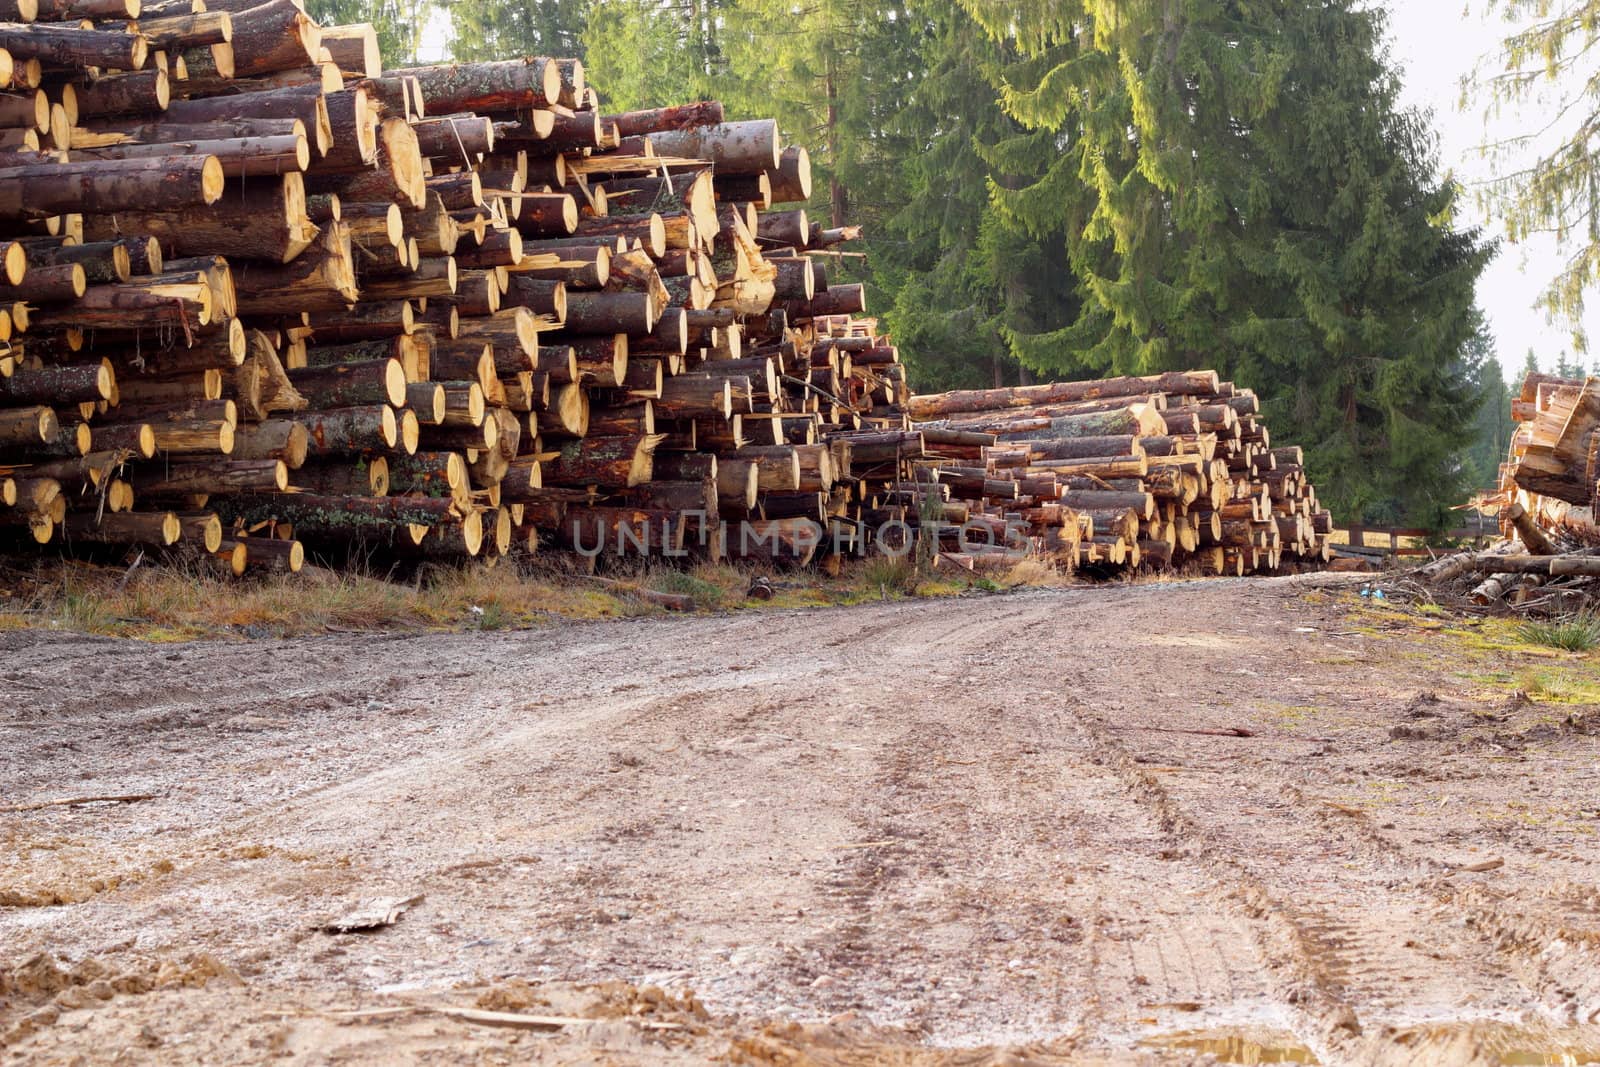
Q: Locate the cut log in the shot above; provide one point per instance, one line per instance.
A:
(273, 36)
(73, 47)
(611, 463)
(105, 186)
(509, 85)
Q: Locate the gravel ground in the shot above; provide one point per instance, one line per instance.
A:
(1119, 824)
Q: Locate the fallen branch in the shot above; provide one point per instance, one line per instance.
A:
(670, 601)
(518, 1021)
(72, 802)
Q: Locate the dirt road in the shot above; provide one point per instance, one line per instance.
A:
(963, 831)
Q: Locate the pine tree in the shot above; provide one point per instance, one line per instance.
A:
(1548, 178)
(1239, 188)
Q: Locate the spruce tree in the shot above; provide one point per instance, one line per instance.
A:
(489, 29)
(398, 23)
(957, 275)
(655, 53)
(1239, 188)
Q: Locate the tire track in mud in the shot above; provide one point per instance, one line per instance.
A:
(938, 807)
(1328, 971)
(1307, 993)
(1030, 805)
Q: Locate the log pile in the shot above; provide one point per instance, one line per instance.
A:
(1171, 470)
(266, 294)
(1548, 559)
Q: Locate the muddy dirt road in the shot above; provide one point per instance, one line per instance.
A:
(964, 831)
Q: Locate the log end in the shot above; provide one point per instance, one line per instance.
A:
(407, 431)
(210, 531)
(394, 383)
(472, 531)
(15, 263)
(212, 180)
(296, 446)
(378, 475)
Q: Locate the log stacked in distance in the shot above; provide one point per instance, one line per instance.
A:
(1545, 505)
(1126, 473)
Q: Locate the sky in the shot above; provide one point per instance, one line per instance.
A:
(1436, 43)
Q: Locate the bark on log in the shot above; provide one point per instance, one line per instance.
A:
(125, 528)
(266, 220)
(657, 120)
(73, 47)
(273, 36)
(345, 430)
(99, 187)
(509, 85)
(751, 147)
(124, 94)
(609, 463)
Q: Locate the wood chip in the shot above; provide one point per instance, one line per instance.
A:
(373, 914)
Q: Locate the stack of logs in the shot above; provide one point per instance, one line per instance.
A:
(1550, 556)
(1170, 470)
(258, 293)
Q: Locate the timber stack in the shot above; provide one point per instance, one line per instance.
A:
(258, 292)
(1170, 470)
(1548, 559)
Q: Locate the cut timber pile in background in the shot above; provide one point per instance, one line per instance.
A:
(1549, 559)
(264, 293)
(1126, 473)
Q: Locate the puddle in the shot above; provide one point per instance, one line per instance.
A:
(1250, 1047)
(1479, 1044)
(1502, 1044)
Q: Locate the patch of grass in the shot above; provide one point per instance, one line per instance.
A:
(168, 602)
(891, 575)
(711, 587)
(1575, 633)
(1555, 686)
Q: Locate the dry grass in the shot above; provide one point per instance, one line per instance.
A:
(171, 603)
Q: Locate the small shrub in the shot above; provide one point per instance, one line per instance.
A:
(1575, 633)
